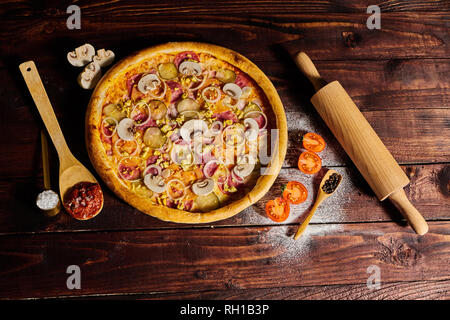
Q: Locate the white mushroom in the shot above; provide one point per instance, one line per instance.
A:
(104, 57)
(148, 82)
(203, 187)
(81, 55)
(245, 166)
(155, 183)
(252, 129)
(193, 127)
(232, 90)
(243, 170)
(125, 129)
(190, 68)
(90, 76)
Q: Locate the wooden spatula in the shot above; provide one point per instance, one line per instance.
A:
(361, 143)
(71, 171)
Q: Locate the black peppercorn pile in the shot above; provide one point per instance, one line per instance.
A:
(331, 183)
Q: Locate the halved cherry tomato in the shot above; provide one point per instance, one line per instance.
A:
(313, 142)
(295, 192)
(309, 162)
(277, 209)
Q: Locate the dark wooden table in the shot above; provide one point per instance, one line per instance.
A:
(398, 76)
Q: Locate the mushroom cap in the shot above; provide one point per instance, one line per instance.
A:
(81, 55)
(191, 126)
(125, 129)
(190, 68)
(155, 183)
(232, 90)
(203, 187)
(104, 57)
(245, 166)
(148, 82)
(90, 76)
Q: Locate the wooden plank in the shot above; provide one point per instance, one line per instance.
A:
(167, 261)
(401, 84)
(417, 290)
(417, 136)
(410, 136)
(18, 9)
(403, 35)
(353, 202)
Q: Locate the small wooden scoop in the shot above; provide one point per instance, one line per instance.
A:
(320, 197)
(46, 173)
(71, 171)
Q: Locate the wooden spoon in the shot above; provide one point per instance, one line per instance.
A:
(320, 197)
(71, 171)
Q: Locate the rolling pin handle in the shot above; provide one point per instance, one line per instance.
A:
(309, 70)
(411, 214)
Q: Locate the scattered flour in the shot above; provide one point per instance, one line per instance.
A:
(282, 239)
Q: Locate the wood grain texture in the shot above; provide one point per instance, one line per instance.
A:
(403, 35)
(17, 9)
(353, 202)
(220, 259)
(416, 290)
(400, 71)
(374, 85)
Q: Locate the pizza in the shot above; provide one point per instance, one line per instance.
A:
(186, 132)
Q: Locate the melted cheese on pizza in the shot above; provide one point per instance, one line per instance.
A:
(185, 130)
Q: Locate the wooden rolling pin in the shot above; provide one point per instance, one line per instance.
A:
(361, 143)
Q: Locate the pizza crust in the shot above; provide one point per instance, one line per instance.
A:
(100, 160)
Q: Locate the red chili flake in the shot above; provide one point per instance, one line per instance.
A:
(84, 200)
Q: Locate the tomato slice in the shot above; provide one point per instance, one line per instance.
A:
(295, 192)
(277, 209)
(309, 162)
(313, 142)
